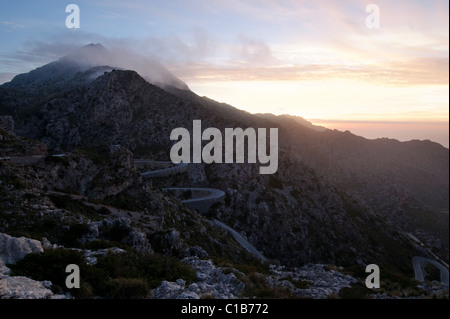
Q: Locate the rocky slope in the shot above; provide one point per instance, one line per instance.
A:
(405, 182)
(310, 211)
(292, 216)
(63, 223)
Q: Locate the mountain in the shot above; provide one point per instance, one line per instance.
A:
(120, 107)
(331, 201)
(72, 70)
(405, 182)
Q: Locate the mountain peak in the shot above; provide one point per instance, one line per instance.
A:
(89, 55)
(61, 73)
(94, 45)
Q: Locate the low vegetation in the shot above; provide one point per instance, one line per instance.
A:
(127, 275)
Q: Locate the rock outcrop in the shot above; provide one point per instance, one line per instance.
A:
(4, 271)
(211, 282)
(312, 281)
(13, 249)
(319, 281)
(119, 229)
(98, 173)
(23, 288)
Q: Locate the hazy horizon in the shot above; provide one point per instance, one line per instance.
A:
(316, 60)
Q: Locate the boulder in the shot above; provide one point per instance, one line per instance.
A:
(168, 290)
(4, 271)
(196, 251)
(211, 282)
(13, 249)
(129, 235)
(319, 280)
(169, 241)
(23, 288)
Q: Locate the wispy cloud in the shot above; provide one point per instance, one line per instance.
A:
(248, 59)
(251, 52)
(12, 25)
(425, 71)
(301, 40)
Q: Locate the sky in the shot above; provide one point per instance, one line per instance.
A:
(327, 61)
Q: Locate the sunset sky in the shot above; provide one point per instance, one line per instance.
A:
(315, 59)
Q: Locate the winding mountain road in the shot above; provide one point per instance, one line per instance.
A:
(241, 240)
(418, 263)
(202, 203)
(164, 172)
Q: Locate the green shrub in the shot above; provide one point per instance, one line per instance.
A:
(74, 206)
(103, 244)
(99, 155)
(70, 238)
(295, 193)
(275, 182)
(257, 286)
(124, 201)
(127, 275)
(301, 284)
(115, 233)
(357, 291)
(151, 268)
(14, 181)
(125, 288)
(432, 272)
(51, 265)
